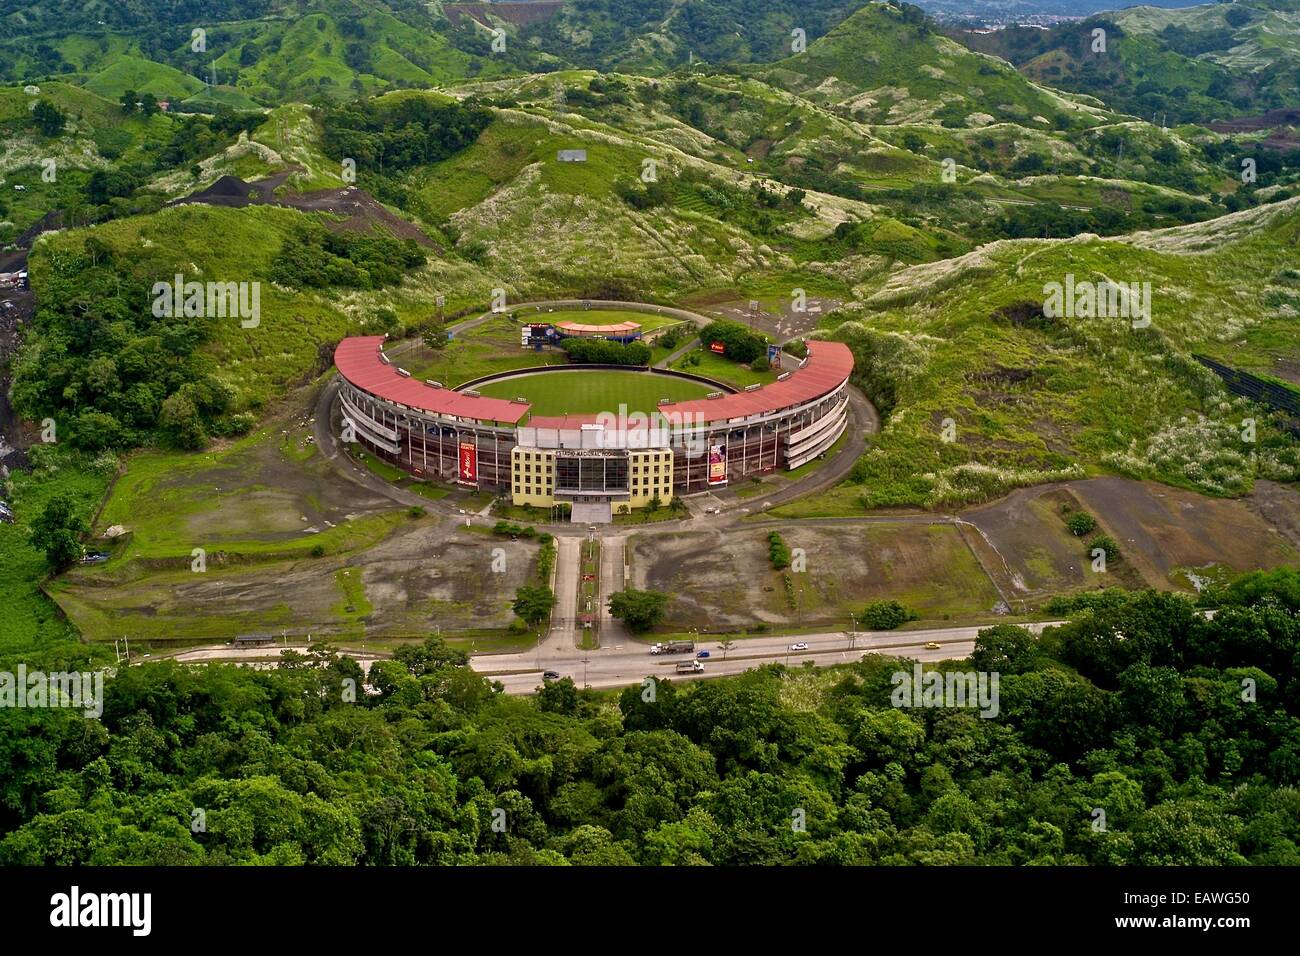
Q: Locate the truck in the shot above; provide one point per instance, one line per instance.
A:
(673, 647)
(690, 667)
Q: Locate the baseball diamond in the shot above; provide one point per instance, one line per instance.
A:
(600, 463)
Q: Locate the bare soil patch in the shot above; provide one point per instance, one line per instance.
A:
(724, 581)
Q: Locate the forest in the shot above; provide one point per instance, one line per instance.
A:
(1140, 732)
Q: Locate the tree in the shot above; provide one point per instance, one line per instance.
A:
(433, 654)
(130, 101)
(435, 337)
(49, 118)
(57, 531)
(725, 646)
(885, 616)
(148, 104)
(182, 422)
(533, 603)
(638, 610)
(558, 697)
(1005, 649)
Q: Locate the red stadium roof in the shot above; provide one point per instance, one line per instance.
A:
(827, 367)
(358, 360)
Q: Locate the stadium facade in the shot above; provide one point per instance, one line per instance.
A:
(599, 464)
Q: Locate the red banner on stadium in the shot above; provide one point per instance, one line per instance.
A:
(468, 463)
(717, 464)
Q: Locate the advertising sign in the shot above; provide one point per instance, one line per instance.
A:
(774, 356)
(717, 464)
(468, 473)
(717, 347)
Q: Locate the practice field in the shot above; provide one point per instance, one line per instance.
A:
(648, 321)
(591, 392)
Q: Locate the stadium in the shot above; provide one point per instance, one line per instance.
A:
(602, 439)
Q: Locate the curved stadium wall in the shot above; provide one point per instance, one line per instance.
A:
(437, 432)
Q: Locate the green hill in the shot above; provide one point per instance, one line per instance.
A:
(1031, 398)
(143, 76)
(889, 65)
(1192, 64)
(653, 35)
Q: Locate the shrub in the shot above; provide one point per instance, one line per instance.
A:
(886, 616)
(1107, 544)
(777, 552)
(1080, 523)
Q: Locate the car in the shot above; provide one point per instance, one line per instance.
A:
(931, 645)
(702, 654)
(550, 675)
(801, 646)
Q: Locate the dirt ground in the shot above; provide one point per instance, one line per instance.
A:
(1162, 533)
(359, 211)
(1023, 541)
(1164, 529)
(781, 322)
(425, 576)
(725, 581)
(422, 574)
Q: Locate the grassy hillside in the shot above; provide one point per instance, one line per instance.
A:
(961, 350)
(886, 65)
(651, 35)
(143, 76)
(218, 244)
(259, 51)
(1194, 64)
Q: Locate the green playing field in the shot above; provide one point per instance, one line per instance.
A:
(589, 392)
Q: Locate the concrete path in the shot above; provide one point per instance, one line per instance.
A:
(612, 560)
(568, 564)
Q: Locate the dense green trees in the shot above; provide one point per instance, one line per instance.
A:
(316, 258)
(109, 372)
(1183, 731)
(605, 352)
(742, 344)
(384, 137)
(638, 610)
(114, 375)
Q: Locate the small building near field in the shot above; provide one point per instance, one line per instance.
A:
(616, 331)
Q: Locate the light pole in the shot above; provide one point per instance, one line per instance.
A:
(853, 637)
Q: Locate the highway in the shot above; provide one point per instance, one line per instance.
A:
(631, 662)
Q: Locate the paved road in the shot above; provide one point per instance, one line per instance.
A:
(612, 560)
(568, 565)
(629, 663)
